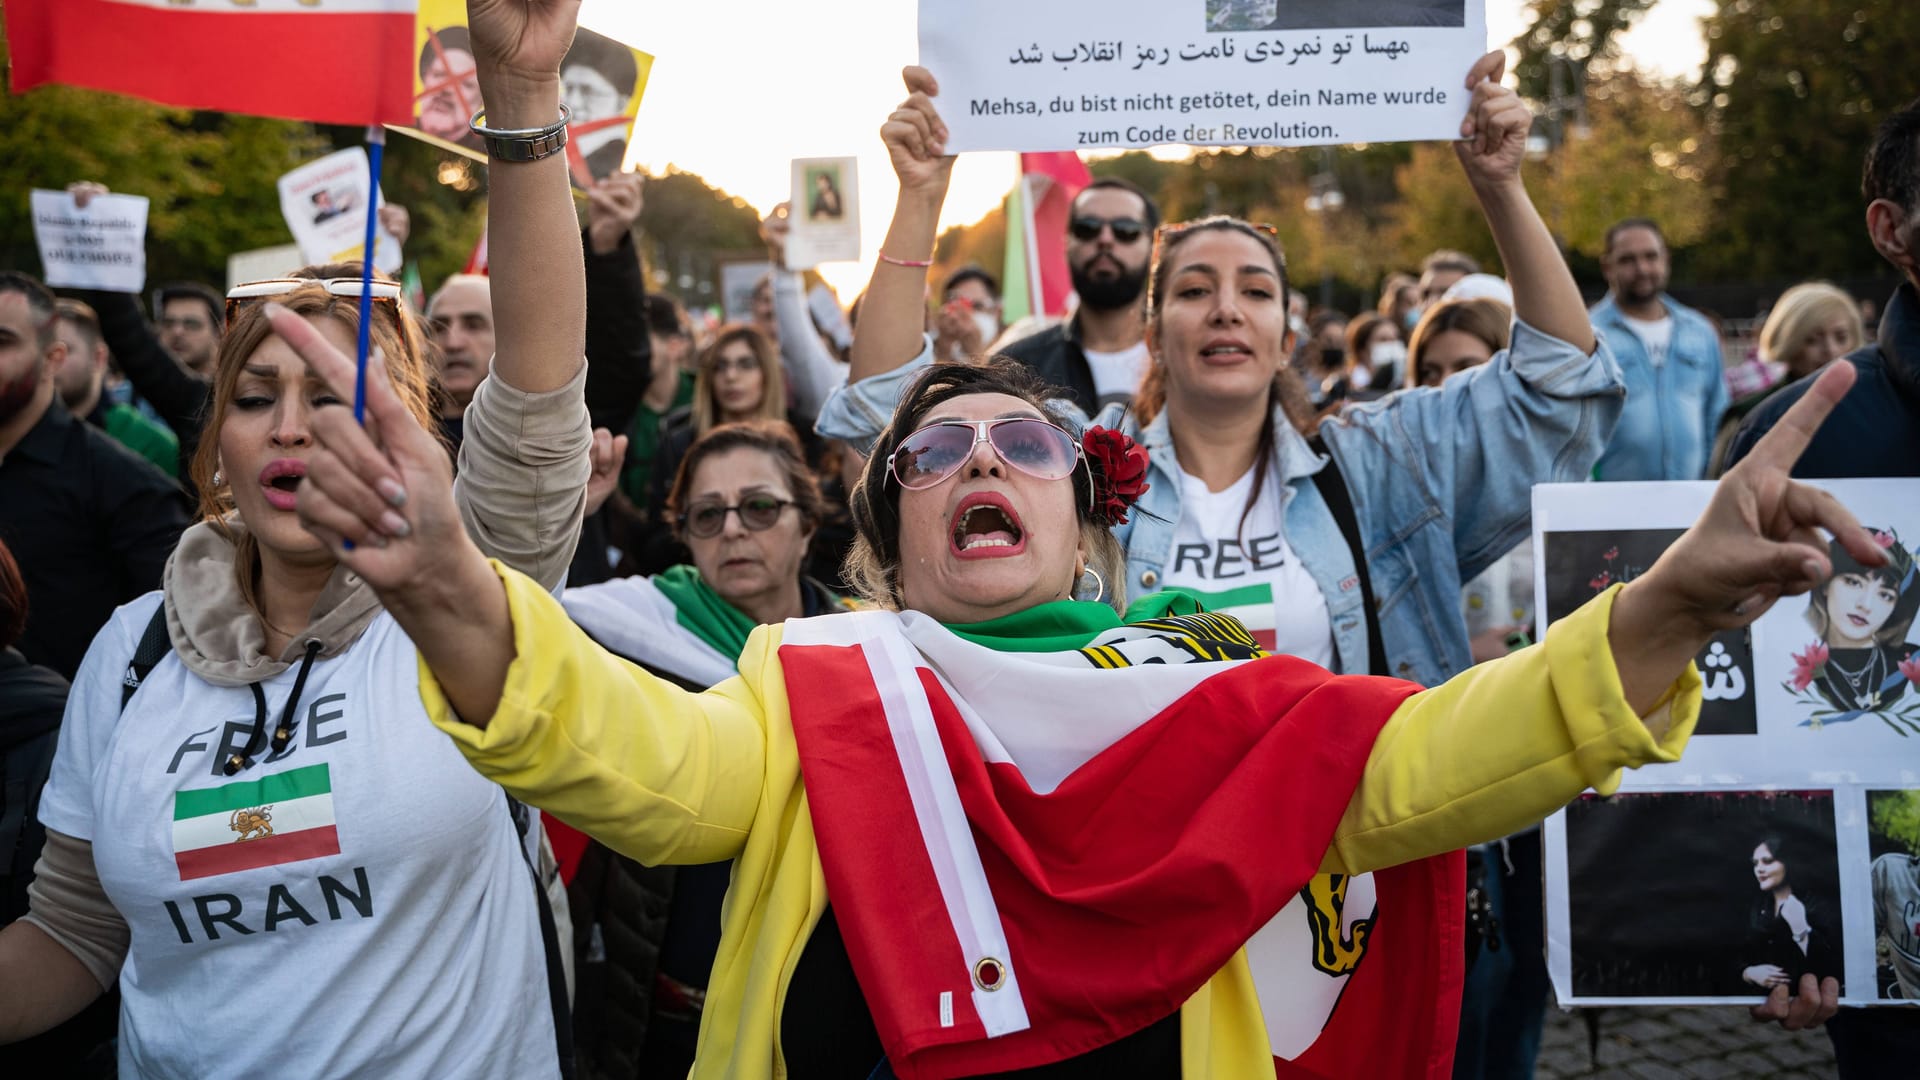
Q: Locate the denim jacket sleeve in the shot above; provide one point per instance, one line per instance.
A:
(856, 412)
(1541, 412)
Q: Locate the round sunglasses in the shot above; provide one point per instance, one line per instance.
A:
(757, 512)
(937, 451)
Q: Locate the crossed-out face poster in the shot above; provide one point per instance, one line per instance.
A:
(1787, 839)
(602, 82)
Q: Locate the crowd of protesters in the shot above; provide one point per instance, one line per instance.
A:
(207, 627)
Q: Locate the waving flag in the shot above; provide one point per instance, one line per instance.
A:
(1036, 278)
(1099, 831)
(328, 61)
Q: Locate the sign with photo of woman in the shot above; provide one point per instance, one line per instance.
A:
(1793, 848)
(1719, 895)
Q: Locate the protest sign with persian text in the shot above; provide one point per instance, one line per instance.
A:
(101, 247)
(1094, 74)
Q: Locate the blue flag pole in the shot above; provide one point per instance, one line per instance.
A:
(376, 150)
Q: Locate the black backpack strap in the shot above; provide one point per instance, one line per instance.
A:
(523, 820)
(153, 648)
(1333, 489)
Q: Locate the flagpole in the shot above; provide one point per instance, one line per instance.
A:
(376, 149)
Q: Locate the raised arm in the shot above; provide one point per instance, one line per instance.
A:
(619, 349)
(1493, 144)
(658, 773)
(539, 284)
(1453, 767)
(812, 371)
(893, 315)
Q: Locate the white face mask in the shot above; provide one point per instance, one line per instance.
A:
(989, 326)
(1386, 359)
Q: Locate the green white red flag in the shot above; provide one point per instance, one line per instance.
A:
(327, 61)
(283, 818)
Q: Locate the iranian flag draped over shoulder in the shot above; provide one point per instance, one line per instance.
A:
(329, 61)
(1093, 818)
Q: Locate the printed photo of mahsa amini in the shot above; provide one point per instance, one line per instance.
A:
(1231, 16)
(1720, 894)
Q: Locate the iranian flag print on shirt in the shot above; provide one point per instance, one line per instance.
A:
(284, 818)
(329, 61)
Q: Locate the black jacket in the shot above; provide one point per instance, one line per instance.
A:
(32, 699)
(91, 524)
(182, 398)
(1055, 355)
(1875, 430)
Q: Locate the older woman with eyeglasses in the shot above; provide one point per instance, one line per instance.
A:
(746, 506)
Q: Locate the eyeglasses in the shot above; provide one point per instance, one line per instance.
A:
(757, 512)
(385, 292)
(937, 451)
(1125, 230)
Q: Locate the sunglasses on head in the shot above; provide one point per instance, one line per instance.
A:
(1125, 230)
(757, 512)
(937, 451)
(384, 292)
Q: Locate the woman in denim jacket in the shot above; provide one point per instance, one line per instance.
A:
(1436, 481)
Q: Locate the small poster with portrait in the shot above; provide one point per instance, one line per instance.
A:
(325, 205)
(1787, 838)
(601, 80)
(824, 212)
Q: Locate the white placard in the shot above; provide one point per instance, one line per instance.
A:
(1096, 74)
(1655, 895)
(101, 247)
(263, 263)
(824, 213)
(325, 204)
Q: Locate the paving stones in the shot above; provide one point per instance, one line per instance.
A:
(1681, 1044)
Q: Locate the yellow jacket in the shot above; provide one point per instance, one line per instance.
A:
(667, 776)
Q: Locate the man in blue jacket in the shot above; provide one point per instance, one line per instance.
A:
(1670, 355)
(1874, 431)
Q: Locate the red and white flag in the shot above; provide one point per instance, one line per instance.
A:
(328, 61)
(1099, 830)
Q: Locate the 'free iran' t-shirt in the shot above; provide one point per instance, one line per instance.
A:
(357, 905)
(1249, 571)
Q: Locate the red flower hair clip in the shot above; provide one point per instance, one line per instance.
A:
(1119, 469)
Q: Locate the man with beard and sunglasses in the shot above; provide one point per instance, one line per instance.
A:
(1101, 353)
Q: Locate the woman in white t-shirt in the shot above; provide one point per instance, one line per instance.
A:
(251, 827)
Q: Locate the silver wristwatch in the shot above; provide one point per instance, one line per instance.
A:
(523, 144)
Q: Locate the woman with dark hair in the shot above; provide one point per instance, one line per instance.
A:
(824, 203)
(1863, 615)
(1790, 933)
(1376, 355)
